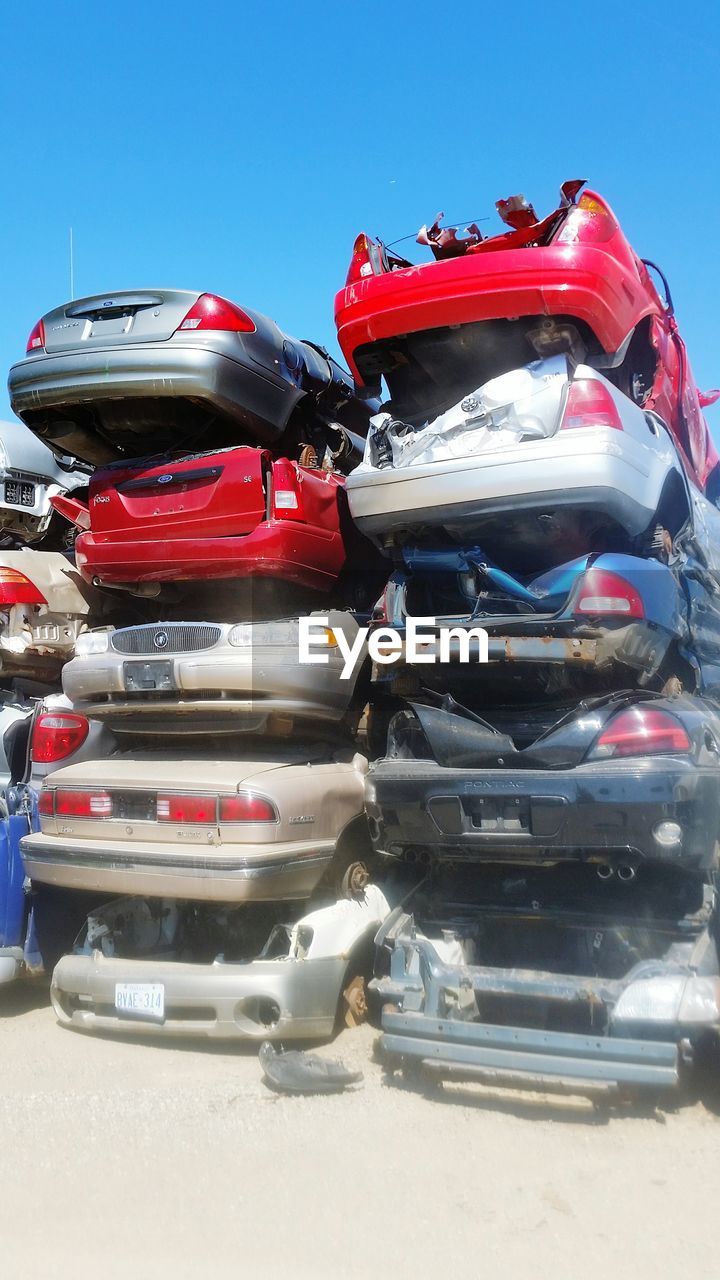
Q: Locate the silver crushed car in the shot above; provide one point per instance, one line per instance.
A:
(30, 476)
(126, 373)
(44, 607)
(291, 987)
(185, 676)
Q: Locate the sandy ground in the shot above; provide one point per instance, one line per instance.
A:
(127, 1159)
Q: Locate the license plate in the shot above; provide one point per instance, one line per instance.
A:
(148, 677)
(113, 325)
(141, 1000)
(19, 493)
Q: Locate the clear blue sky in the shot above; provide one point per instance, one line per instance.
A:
(238, 147)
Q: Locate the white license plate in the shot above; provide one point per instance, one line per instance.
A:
(141, 1000)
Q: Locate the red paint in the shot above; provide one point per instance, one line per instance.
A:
(576, 262)
(213, 515)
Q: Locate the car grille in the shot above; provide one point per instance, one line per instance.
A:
(174, 637)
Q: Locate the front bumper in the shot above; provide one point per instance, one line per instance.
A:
(292, 552)
(432, 1019)
(519, 1057)
(253, 873)
(263, 999)
(605, 812)
(11, 963)
(153, 371)
(253, 680)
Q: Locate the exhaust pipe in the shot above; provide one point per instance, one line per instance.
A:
(605, 871)
(626, 872)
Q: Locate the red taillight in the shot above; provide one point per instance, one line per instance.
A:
(286, 494)
(246, 807)
(36, 341)
(46, 803)
(56, 735)
(15, 588)
(590, 404)
(78, 513)
(608, 595)
(83, 804)
(641, 731)
(365, 261)
(187, 808)
(211, 312)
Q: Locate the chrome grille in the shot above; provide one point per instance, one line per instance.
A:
(170, 637)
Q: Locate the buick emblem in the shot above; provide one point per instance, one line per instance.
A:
(469, 404)
(164, 479)
(161, 640)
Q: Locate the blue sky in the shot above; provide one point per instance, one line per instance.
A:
(238, 147)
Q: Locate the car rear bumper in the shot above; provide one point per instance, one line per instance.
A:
(264, 999)
(620, 479)
(605, 813)
(255, 873)
(154, 371)
(581, 281)
(307, 556)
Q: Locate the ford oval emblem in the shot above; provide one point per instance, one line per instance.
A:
(161, 640)
(164, 479)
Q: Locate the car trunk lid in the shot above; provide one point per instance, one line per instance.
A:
(204, 495)
(151, 315)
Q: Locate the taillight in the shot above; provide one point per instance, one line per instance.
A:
(204, 810)
(46, 803)
(211, 312)
(36, 341)
(588, 222)
(608, 595)
(365, 261)
(83, 804)
(200, 809)
(246, 807)
(286, 496)
(78, 513)
(590, 404)
(15, 588)
(641, 731)
(56, 735)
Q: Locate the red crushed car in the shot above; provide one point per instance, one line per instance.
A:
(567, 283)
(233, 513)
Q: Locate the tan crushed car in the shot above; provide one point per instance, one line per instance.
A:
(44, 607)
(265, 827)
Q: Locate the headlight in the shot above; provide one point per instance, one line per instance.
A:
(241, 637)
(93, 642)
(675, 999)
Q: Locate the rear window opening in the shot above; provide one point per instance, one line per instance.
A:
(429, 371)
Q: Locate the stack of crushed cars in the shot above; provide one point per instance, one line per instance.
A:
(522, 849)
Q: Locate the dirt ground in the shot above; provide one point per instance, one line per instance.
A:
(134, 1160)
